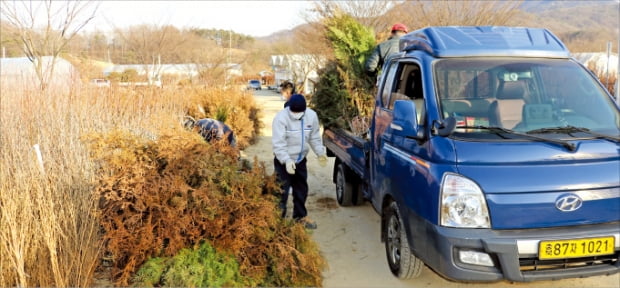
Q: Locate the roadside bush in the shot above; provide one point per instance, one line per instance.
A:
(159, 196)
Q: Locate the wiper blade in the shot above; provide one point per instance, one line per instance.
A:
(495, 129)
(567, 145)
(572, 129)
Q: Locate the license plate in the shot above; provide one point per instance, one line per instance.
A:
(575, 248)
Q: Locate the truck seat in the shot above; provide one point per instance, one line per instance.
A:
(477, 107)
(419, 104)
(506, 110)
(537, 116)
(397, 96)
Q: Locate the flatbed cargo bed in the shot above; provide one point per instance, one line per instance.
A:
(348, 148)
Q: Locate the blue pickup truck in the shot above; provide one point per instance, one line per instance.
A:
(491, 155)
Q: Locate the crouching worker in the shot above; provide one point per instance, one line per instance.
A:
(211, 129)
(295, 130)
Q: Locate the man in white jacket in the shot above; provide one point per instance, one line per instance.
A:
(295, 130)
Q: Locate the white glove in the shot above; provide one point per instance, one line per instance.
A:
(323, 160)
(290, 166)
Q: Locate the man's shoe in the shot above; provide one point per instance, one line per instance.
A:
(307, 223)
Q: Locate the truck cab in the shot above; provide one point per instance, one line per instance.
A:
(494, 155)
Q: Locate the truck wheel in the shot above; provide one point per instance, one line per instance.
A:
(402, 262)
(344, 187)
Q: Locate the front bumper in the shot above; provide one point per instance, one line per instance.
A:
(514, 252)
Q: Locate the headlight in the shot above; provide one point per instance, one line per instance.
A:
(462, 203)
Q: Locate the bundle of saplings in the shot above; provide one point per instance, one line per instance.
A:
(196, 217)
(344, 93)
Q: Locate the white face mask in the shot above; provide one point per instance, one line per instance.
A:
(296, 115)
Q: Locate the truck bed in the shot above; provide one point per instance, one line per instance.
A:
(349, 148)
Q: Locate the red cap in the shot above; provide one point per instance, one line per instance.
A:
(400, 27)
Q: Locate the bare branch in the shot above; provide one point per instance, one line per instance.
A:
(444, 13)
(47, 37)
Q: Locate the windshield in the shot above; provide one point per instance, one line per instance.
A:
(523, 94)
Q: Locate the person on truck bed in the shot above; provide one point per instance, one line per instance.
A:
(296, 130)
(380, 53)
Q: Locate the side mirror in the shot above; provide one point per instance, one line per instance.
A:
(445, 128)
(405, 121)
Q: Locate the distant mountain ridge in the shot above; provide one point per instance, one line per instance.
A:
(565, 16)
(544, 5)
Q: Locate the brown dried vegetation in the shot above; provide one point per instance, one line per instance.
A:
(158, 197)
(126, 196)
(607, 79)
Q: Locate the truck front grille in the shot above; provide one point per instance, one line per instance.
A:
(533, 264)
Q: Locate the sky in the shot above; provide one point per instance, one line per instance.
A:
(253, 18)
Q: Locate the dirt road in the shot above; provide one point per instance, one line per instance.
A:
(349, 236)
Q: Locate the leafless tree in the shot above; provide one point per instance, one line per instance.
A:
(150, 46)
(313, 54)
(301, 67)
(421, 13)
(45, 28)
(211, 65)
(368, 13)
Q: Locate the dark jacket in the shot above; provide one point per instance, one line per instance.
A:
(383, 50)
(211, 129)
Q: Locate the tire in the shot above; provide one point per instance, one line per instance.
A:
(402, 262)
(344, 187)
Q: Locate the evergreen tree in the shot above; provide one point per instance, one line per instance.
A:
(344, 90)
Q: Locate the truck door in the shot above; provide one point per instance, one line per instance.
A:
(397, 165)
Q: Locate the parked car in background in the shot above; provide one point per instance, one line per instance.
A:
(100, 82)
(254, 84)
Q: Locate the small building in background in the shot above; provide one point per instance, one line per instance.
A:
(298, 68)
(153, 74)
(20, 73)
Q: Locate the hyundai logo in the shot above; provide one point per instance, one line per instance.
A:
(568, 202)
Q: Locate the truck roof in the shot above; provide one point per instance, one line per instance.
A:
(462, 41)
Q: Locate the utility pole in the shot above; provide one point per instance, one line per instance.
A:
(227, 71)
(607, 64)
(618, 70)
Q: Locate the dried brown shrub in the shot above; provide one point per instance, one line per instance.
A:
(236, 108)
(607, 79)
(159, 196)
(48, 233)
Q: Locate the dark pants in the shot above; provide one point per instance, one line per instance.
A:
(300, 187)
